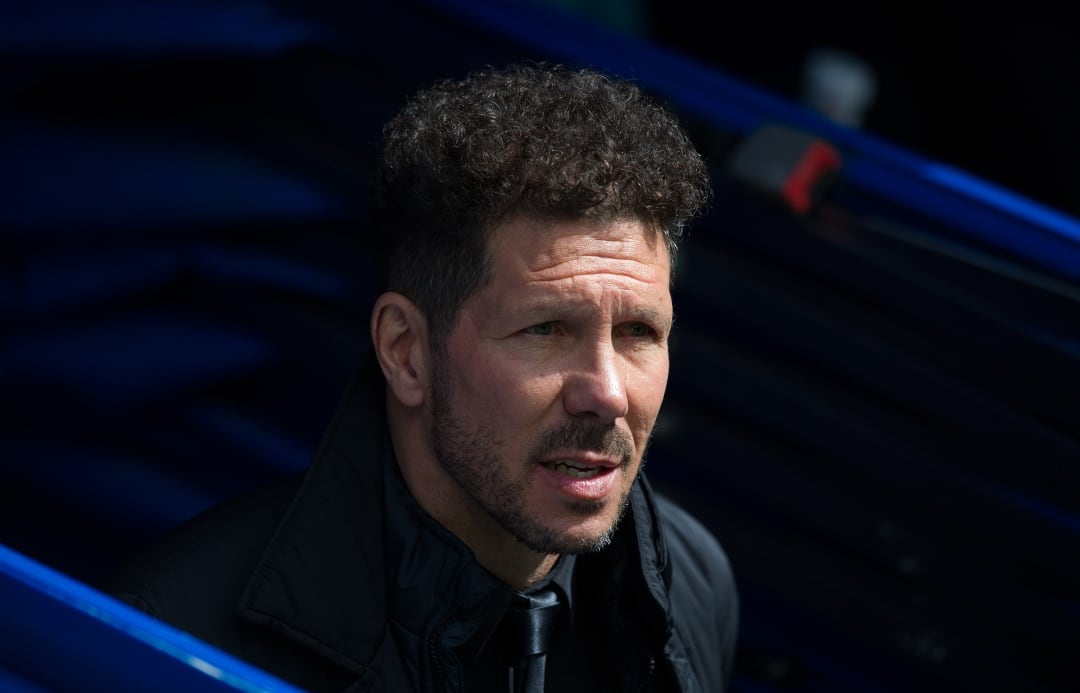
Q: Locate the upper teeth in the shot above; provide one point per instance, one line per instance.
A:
(575, 471)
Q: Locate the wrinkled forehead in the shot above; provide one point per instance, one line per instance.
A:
(563, 238)
(623, 254)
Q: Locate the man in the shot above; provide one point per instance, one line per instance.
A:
(476, 519)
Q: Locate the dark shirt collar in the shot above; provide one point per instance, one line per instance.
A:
(561, 580)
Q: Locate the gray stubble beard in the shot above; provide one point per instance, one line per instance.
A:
(470, 459)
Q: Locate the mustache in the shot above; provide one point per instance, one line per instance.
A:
(606, 439)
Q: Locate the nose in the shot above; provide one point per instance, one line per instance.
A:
(595, 387)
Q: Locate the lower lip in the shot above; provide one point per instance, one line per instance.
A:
(590, 488)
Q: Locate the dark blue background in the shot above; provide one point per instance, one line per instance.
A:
(873, 406)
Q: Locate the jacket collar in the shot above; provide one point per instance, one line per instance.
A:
(315, 580)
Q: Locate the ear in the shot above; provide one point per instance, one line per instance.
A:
(399, 335)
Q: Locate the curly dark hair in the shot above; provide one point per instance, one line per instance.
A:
(546, 141)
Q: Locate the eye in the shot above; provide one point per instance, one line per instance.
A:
(544, 329)
(637, 329)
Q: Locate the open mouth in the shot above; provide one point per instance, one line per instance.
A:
(576, 472)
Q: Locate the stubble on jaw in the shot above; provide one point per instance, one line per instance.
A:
(470, 457)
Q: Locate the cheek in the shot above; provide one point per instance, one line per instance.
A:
(492, 387)
(648, 371)
(646, 393)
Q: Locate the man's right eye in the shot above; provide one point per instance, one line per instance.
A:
(544, 329)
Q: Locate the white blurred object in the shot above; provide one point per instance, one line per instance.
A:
(840, 85)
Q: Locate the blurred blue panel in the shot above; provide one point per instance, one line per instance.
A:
(109, 485)
(1023, 229)
(137, 360)
(1005, 200)
(65, 279)
(255, 268)
(54, 29)
(12, 682)
(244, 437)
(64, 636)
(76, 182)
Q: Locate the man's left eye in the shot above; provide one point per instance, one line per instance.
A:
(637, 329)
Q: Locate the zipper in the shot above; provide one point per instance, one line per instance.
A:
(648, 675)
(630, 643)
(438, 668)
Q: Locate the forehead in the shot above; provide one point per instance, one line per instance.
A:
(624, 251)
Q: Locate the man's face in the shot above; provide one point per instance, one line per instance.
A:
(552, 379)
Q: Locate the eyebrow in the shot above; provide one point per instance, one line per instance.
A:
(543, 308)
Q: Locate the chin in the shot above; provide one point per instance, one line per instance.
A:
(593, 541)
(577, 536)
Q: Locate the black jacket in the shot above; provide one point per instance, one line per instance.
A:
(333, 581)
